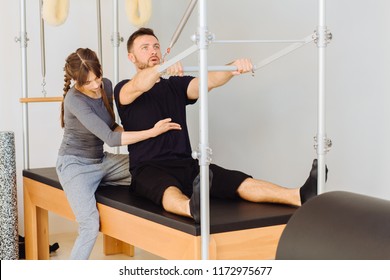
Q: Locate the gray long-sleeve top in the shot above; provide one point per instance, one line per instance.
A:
(87, 125)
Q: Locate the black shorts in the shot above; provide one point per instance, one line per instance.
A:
(151, 179)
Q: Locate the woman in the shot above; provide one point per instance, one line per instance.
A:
(88, 122)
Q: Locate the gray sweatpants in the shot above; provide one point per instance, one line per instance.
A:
(80, 177)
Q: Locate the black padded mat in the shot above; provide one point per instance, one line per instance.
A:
(225, 215)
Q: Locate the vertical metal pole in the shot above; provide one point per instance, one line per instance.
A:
(23, 51)
(321, 134)
(204, 160)
(99, 30)
(43, 48)
(115, 43)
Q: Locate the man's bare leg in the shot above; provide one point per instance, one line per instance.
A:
(253, 190)
(261, 191)
(176, 202)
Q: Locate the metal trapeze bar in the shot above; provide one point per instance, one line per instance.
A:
(284, 52)
(256, 41)
(210, 68)
(177, 58)
(281, 53)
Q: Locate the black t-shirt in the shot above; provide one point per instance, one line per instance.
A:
(166, 99)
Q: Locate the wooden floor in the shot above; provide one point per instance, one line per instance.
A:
(66, 240)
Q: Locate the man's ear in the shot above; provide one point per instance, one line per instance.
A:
(131, 57)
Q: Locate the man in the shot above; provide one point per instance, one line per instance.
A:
(162, 167)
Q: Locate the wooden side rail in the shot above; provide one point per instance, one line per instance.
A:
(40, 198)
(121, 229)
(40, 99)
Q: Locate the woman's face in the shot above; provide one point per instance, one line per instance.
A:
(93, 83)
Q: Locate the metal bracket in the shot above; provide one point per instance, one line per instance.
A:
(209, 38)
(23, 39)
(198, 155)
(116, 39)
(325, 145)
(322, 36)
(43, 84)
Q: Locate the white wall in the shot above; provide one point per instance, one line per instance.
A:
(263, 125)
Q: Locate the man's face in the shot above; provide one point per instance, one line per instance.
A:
(145, 52)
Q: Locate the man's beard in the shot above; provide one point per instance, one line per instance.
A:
(142, 65)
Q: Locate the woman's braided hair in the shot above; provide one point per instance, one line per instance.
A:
(77, 67)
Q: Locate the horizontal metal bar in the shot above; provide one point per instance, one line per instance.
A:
(210, 68)
(256, 41)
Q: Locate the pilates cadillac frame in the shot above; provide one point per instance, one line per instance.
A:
(202, 39)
